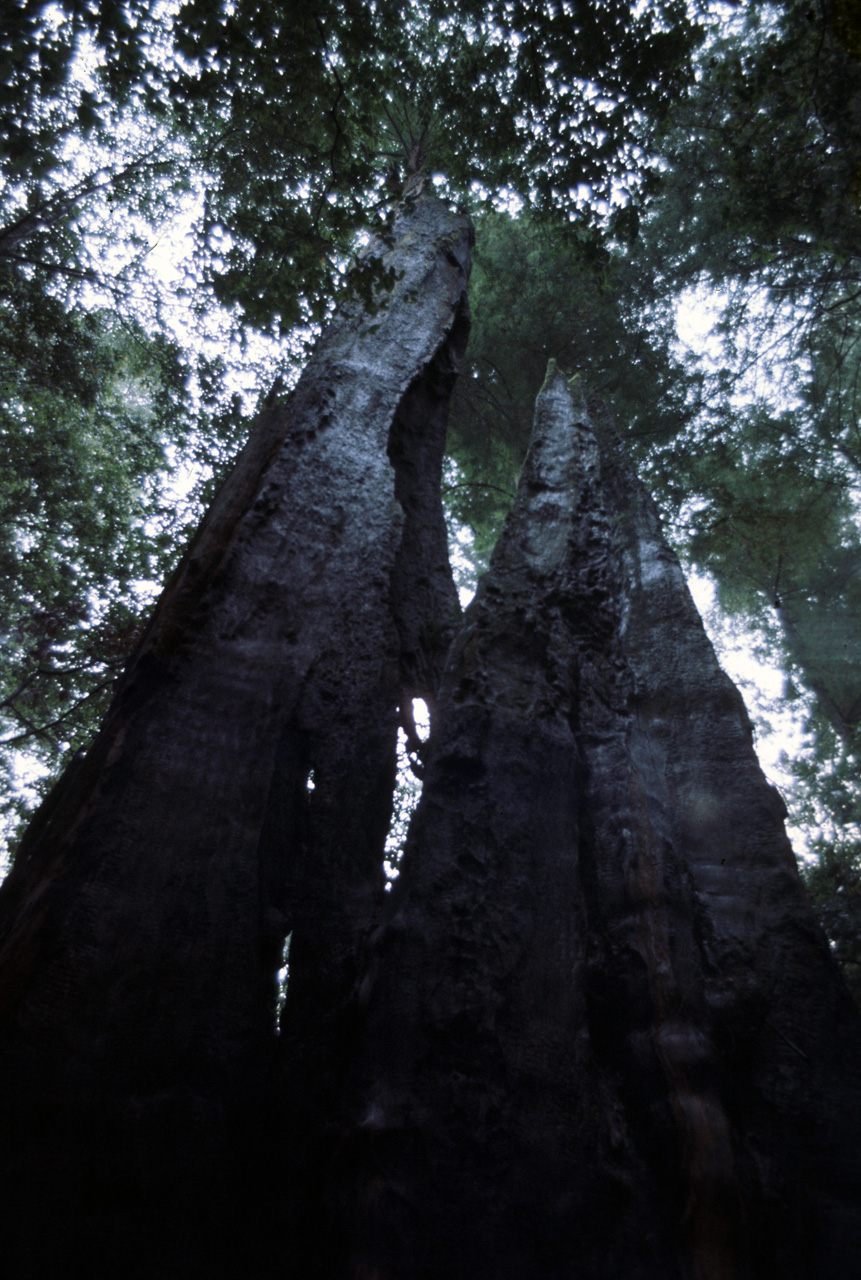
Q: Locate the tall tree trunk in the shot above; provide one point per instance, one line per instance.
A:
(602, 1035)
(594, 1033)
(143, 922)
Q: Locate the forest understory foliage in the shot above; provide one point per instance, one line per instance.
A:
(615, 158)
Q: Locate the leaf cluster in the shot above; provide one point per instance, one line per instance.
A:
(759, 200)
(81, 439)
(92, 386)
(538, 293)
(297, 115)
(827, 800)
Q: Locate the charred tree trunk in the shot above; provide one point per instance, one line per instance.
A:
(602, 1035)
(593, 1034)
(144, 919)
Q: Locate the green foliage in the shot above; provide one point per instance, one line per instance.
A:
(39, 47)
(763, 156)
(538, 294)
(828, 801)
(84, 409)
(758, 204)
(765, 501)
(760, 199)
(297, 113)
(833, 883)
(92, 389)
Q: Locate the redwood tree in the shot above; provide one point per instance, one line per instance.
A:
(592, 1032)
(144, 919)
(602, 1035)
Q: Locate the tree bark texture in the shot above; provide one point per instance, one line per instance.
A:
(593, 1033)
(144, 919)
(602, 1035)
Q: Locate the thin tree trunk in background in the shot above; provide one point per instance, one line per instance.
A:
(144, 919)
(820, 624)
(602, 1034)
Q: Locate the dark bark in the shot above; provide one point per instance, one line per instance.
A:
(594, 1032)
(602, 1034)
(144, 919)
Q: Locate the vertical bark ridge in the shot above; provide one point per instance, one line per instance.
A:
(603, 1037)
(782, 1034)
(142, 923)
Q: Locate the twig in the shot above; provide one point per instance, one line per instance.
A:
(785, 1037)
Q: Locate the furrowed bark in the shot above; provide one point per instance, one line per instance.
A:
(602, 1035)
(144, 919)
